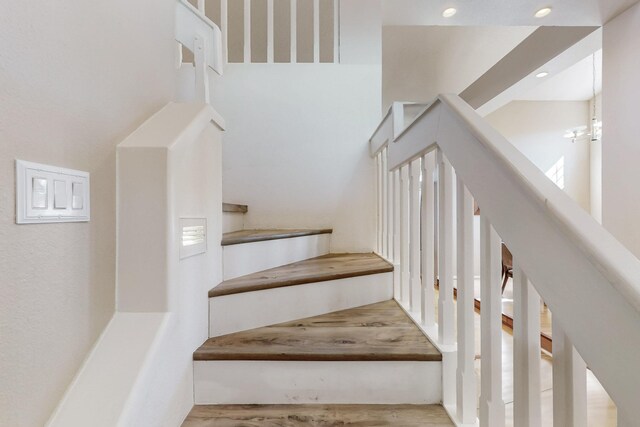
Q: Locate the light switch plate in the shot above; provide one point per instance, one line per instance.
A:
(47, 194)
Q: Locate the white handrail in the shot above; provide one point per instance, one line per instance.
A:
(191, 23)
(590, 281)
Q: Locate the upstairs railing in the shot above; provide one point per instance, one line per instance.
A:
(199, 35)
(429, 176)
(291, 31)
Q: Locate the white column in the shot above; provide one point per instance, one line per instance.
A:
(492, 408)
(414, 238)
(446, 311)
(397, 195)
(294, 31)
(428, 240)
(316, 31)
(404, 236)
(385, 196)
(247, 31)
(569, 381)
(270, 31)
(465, 376)
(224, 29)
(526, 351)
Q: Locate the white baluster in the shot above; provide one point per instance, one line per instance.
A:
(270, 31)
(465, 375)
(383, 175)
(526, 351)
(224, 29)
(404, 236)
(428, 240)
(446, 312)
(294, 31)
(397, 247)
(200, 65)
(316, 31)
(201, 6)
(390, 196)
(336, 31)
(414, 237)
(379, 203)
(569, 381)
(247, 31)
(492, 409)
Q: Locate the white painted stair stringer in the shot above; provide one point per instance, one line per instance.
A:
(299, 382)
(249, 310)
(246, 258)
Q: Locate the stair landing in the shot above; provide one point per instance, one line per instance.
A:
(317, 415)
(375, 332)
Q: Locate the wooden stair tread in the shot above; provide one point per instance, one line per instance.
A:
(250, 236)
(375, 332)
(317, 415)
(234, 208)
(320, 269)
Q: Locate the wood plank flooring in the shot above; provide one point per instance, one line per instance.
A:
(376, 332)
(249, 236)
(317, 415)
(323, 268)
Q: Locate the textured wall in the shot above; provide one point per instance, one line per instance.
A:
(75, 78)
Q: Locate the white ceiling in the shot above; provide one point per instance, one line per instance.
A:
(573, 84)
(502, 12)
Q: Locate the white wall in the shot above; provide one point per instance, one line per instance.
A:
(595, 166)
(536, 128)
(296, 147)
(621, 128)
(419, 62)
(76, 77)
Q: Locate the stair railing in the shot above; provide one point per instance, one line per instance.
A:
(203, 38)
(429, 174)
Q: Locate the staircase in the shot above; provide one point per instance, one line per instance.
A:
(300, 336)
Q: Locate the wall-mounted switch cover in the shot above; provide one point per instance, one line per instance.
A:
(51, 194)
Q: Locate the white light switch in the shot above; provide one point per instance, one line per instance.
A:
(77, 195)
(51, 194)
(39, 194)
(59, 194)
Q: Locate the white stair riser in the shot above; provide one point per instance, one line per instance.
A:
(286, 382)
(247, 258)
(248, 310)
(232, 221)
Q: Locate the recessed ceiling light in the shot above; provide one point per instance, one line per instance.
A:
(542, 74)
(543, 12)
(448, 13)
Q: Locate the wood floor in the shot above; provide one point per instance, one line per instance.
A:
(323, 268)
(317, 415)
(376, 332)
(249, 236)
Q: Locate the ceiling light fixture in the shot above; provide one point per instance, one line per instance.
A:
(543, 12)
(542, 74)
(448, 13)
